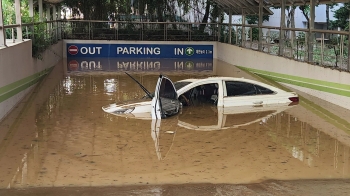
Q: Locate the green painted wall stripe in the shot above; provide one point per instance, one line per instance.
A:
(18, 83)
(307, 85)
(21, 85)
(304, 82)
(316, 109)
(297, 78)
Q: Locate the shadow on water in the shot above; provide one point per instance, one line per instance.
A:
(63, 139)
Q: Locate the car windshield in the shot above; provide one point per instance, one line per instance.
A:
(179, 85)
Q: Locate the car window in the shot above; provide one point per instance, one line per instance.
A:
(263, 91)
(236, 88)
(179, 85)
(203, 93)
(167, 89)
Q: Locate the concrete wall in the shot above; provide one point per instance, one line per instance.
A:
(330, 85)
(19, 72)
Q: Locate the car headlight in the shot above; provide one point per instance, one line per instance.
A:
(124, 110)
(129, 110)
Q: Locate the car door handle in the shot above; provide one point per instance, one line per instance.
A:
(258, 102)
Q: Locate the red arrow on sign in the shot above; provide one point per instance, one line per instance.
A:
(73, 50)
(73, 65)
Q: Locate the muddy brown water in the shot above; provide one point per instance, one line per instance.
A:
(58, 136)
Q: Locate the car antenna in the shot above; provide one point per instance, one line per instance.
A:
(143, 88)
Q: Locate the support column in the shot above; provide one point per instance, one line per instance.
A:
(261, 6)
(54, 12)
(282, 26)
(31, 14)
(311, 34)
(2, 30)
(40, 3)
(219, 27)
(18, 19)
(31, 8)
(59, 23)
(243, 28)
(54, 25)
(48, 13)
(348, 68)
(230, 27)
(48, 18)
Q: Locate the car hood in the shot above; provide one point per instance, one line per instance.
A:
(140, 109)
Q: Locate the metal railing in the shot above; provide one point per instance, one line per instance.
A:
(324, 48)
(139, 31)
(42, 34)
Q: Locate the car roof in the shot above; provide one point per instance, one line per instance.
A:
(220, 78)
(213, 78)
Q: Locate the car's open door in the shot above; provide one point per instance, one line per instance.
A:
(165, 102)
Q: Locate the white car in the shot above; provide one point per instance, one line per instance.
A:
(221, 91)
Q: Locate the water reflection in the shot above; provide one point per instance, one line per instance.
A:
(72, 84)
(120, 64)
(63, 138)
(110, 86)
(209, 118)
(67, 84)
(326, 157)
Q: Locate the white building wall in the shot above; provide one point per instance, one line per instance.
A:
(300, 20)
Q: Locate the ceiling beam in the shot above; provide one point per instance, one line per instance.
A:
(247, 6)
(226, 6)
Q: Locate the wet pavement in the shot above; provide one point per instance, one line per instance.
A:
(59, 141)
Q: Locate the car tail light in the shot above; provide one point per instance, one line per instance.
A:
(294, 99)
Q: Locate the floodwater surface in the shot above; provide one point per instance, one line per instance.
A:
(59, 136)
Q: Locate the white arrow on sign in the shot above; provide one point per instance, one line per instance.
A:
(189, 50)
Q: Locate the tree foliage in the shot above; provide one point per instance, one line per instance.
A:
(10, 14)
(92, 9)
(157, 10)
(328, 7)
(342, 17)
(254, 19)
(305, 9)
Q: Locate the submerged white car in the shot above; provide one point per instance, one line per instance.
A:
(169, 97)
